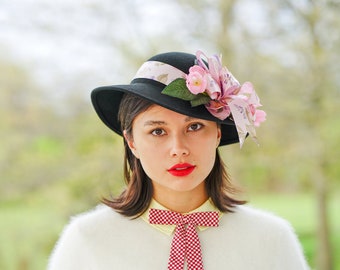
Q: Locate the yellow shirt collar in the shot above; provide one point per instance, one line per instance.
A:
(169, 229)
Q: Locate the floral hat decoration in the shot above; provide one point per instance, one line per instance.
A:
(195, 85)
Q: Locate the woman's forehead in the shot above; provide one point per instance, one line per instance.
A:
(157, 112)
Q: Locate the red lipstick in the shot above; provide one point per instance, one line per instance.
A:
(181, 169)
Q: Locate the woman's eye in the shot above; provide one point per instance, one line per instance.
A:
(158, 132)
(195, 126)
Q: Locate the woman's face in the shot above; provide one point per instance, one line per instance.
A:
(176, 151)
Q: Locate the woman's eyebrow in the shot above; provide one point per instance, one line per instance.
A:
(154, 123)
(189, 118)
(157, 122)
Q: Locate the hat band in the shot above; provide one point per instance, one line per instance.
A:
(160, 72)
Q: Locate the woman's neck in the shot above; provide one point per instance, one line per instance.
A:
(181, 201)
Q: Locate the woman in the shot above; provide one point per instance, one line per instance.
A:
(178, 209)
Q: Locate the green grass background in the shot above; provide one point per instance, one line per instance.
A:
(300, 211)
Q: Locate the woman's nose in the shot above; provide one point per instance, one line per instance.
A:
(179, 147)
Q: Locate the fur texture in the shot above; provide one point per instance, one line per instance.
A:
(247, 239)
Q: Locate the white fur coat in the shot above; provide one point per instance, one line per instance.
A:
(248, 239)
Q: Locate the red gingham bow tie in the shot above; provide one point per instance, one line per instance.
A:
(185, 243)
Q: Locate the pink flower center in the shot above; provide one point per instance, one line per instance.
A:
(196, 81)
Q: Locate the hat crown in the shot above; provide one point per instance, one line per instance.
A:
(179, 60)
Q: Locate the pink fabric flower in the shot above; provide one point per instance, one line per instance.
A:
(218, 109)
(196, 80)
(260, 116)
(228, 82)
(213, 89)
(228, 96)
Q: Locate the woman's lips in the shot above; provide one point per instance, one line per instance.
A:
(181, 169)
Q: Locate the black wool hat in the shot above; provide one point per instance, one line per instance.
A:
(149, 84)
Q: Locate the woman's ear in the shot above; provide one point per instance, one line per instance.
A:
(130, 142)
(219, 135)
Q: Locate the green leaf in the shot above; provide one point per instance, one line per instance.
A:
(199, 100)
(178, 89)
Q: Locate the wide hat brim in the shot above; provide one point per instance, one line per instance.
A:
(106, 101)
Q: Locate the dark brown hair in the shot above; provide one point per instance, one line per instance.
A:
(136, 198)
